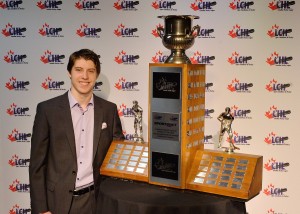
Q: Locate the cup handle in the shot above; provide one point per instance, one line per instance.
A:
(197, 28)
(160, 31)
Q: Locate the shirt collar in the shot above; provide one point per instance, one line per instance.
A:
(73, 102)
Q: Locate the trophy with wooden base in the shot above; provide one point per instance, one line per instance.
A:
(174, 155)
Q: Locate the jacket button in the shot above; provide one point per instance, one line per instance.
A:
(74, 172)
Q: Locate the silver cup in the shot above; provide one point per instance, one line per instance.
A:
(178, 35)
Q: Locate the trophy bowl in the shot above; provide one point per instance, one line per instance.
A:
(178, 35)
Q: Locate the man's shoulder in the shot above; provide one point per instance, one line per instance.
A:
(103, 102)
(55, 100)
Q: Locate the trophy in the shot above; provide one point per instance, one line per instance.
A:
(226, 120)
(174, 155)
(178, 35)
(138, 116)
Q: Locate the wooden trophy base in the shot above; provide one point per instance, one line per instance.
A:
(230, 174)
(127, 160)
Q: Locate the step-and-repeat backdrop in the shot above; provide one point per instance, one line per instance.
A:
(251, 52)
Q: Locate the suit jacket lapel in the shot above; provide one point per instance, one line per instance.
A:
(68, 124)
(98, 119)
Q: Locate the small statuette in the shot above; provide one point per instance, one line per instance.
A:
(226, 120)
(138, 125)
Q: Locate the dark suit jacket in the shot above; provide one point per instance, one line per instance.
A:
(53, 165)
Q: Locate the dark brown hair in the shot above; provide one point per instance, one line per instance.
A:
(85, 54)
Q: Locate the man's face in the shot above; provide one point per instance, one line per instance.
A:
(83, 77)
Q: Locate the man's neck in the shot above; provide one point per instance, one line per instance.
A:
(82, 99)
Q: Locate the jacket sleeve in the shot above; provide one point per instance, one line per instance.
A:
(117, 126)
(38, 162)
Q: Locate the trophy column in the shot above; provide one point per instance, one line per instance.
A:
(176, 128)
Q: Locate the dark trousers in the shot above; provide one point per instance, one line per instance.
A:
(84, 204)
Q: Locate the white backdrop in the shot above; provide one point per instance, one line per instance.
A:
(251, 49)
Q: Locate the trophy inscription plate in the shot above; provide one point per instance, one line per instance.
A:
(165, 165)
(126, 160)
(167, 85)
(165, 126)
(234, 175)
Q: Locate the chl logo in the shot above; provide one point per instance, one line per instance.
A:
(237, 59)
(276, 87)
(13, 84)
(16, 209)
(124, 58)
(17, 186)
(13, 58)
(200, 5)
(239, 113)
(49, 84)
(271, 190)
(241, 5)
(206, 33)
(14, 110)
(86, 5)
(159, 57)
(122, 31)
(275, 113)
(124, 85)
(11, 31)
(126, 5)
(11, 4)
(240, 139)
(276, 32)
(18, 162)
(273, 165)
(281, 5)
(17, 136)
(51, 58)
(237, 86)
(89, 32)
(49, 5)
(199, 58)
(276, 59)
(123, 111)
(241, 33)
(48, 31)
(164, 5)
(274, 139)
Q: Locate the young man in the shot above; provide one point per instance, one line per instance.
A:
(70, 138)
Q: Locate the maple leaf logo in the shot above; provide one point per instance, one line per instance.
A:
(231, 87)
(10, 110)
(11, 136)
(268, 139)
(117, 32)
(269, 114)
(120, 110)
(12, 161)
(268, 165)
(42, 30)
(155, 58)
(118, 59)
(78, 5)
(269, 86)
(80, 31)
(117, 5)
(118, 84)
